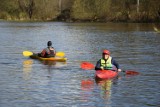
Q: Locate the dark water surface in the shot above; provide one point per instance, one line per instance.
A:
(30, 83)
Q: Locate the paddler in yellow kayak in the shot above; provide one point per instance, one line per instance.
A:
(48, 52)
(107, 62)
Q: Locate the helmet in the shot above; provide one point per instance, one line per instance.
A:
(106, 52)
(49, 43)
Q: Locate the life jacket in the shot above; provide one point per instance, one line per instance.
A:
(107, 64)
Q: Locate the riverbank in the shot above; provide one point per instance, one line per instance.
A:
(84, 20)
(68, 19)
(81, 11)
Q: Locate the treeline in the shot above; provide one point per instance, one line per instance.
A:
(81, 10)
(117, 10)
(28, 9)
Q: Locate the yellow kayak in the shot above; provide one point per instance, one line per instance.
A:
(35, 56)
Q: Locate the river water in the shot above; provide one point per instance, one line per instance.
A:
(26, 82)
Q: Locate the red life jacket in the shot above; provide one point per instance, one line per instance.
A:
(48, 52)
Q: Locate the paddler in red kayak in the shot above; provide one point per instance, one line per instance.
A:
(107, 62)
(48, 52)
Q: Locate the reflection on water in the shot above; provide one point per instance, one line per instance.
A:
(49, 63)
(27, 69)
(105, 86)
(87, 85)
(135, 46)
(54, 63)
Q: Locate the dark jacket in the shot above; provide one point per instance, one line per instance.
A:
(98, 65)
(48, 52)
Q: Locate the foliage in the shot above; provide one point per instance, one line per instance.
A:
(89, 10)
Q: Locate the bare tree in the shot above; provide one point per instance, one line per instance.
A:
(137, 6)
(27, 6)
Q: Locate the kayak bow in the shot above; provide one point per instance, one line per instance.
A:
(105, 74)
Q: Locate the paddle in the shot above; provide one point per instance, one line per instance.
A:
(89, 66)
(60, 54)
(130, 72)
(29, 53)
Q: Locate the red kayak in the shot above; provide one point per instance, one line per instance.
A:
(105, 74)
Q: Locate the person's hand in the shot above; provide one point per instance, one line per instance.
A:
(102, 68)
(119, 70)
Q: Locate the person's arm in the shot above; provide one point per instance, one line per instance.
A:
(43, 52)
(54, 52)
(115, 63)
(98, 65)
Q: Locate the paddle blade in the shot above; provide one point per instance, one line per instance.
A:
(130, 72)
(60, 54)
(87, 66)
(27, 53)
